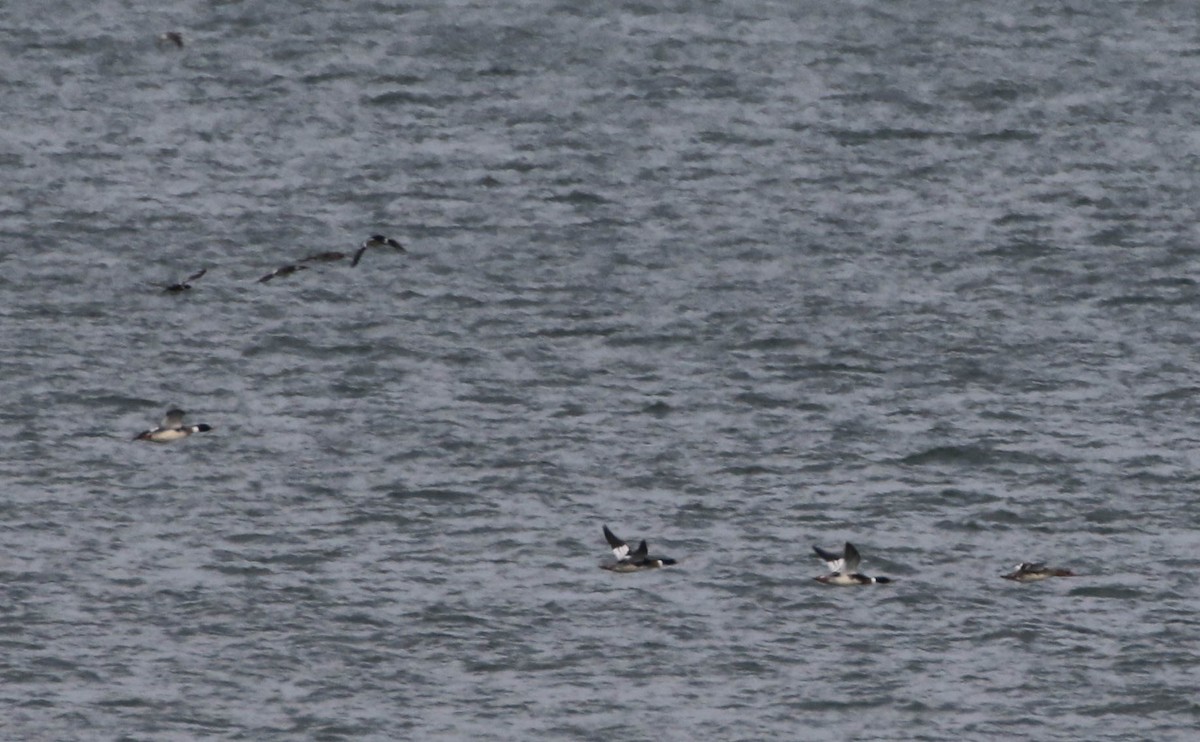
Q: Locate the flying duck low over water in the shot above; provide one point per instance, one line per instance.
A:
(376, 240)
(286, 270)
(325, 257)
(843, 568)
(185, 284)
(631, 561)
(1034, 571)
(171, 429)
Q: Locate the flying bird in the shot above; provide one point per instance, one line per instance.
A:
(185, 285)
(843, 568)
(286, 270)
(171, 429)
(376, 240)
(1034, 571)
(631, 560)
(325, 257)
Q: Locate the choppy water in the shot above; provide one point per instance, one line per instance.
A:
(736, 277)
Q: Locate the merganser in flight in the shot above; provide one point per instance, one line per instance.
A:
(1033, 572)
(324, 257)
(632, 561)
(171, 37)
(171, 429)
(284, 271)
(376, 240)
(843, 568)
(183, 285)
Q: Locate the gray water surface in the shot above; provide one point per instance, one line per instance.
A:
(734, 277)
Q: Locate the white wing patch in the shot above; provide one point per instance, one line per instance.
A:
(622, 551)
(836, 565)
(836, 562)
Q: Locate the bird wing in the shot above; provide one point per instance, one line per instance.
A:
(835, 562)
(620, 549)
(852, 558)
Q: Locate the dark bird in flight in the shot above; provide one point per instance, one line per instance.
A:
(286, 270)
(185, 284)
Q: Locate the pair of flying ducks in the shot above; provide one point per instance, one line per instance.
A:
(843, 567)
(376, 240)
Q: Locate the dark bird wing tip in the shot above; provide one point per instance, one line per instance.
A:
(826, 555)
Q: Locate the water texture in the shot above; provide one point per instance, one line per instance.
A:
(734, 277)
